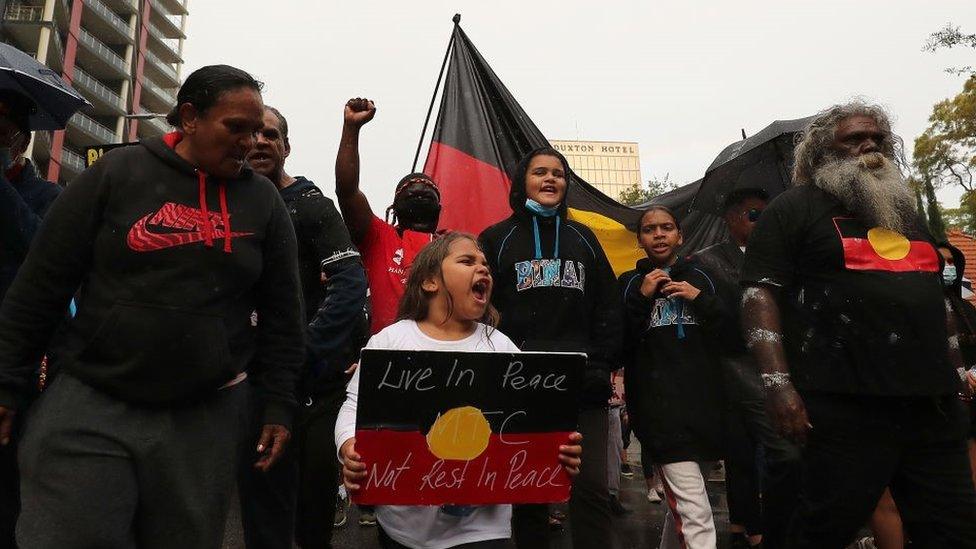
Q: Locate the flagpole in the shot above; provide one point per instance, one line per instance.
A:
(440, 75)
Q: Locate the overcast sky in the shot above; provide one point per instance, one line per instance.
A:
(679, 78)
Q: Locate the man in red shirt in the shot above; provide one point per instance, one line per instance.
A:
(387, 248)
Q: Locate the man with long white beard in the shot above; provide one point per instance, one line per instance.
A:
(843, 311)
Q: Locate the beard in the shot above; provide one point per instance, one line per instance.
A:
(871, 187)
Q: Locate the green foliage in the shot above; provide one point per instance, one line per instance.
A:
(639, 193)
(936, 224)
(945, 153)
(963, 217)
(950, 37)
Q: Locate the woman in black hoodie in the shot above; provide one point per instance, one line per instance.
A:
(676, 327)
(555, 291)
(172, 245)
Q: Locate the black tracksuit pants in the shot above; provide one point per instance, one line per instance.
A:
(860, 445)
(296, 499)
(590, 520)
(780, 480)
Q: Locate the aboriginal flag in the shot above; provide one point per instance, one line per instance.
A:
(879, 249)
(481, 133)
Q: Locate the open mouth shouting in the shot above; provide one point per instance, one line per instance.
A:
(481, 290)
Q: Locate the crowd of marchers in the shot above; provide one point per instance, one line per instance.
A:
(183, 321)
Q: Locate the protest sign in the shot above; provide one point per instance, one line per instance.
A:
(94, 152)
(438, 427)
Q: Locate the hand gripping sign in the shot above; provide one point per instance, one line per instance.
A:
(438, 427)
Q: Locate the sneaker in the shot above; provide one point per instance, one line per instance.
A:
(866, 542)
(555, 524)
(616, 508)
(626, 471)
(653, 496)
(367, 519)
(342, 505)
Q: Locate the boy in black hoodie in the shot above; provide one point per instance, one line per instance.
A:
(173, 243)
(555, 291)
(677, 326)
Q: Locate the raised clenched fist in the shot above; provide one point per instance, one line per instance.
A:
(358, 111)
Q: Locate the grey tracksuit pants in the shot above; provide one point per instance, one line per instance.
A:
(99, 472)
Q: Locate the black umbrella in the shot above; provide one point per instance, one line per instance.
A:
(55, 100)
(763, 161)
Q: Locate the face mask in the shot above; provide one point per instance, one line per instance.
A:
(949, 274)
(539, 209)
(418, 214)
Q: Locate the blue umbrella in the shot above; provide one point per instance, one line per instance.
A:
(55, 100)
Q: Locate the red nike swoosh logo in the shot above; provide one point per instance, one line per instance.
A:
(177, 217)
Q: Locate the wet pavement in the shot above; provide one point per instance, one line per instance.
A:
(640, 529)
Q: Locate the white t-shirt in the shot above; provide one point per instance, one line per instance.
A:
(421, 526)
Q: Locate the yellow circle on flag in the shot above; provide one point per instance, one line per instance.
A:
(461, 433)
(889, 244)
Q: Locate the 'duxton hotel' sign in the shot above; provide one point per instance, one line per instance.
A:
(596, 148)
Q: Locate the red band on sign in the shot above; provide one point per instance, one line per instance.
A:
(514, 468)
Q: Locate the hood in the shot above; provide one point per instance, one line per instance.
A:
(165, 148)
(516, 197)
(300, 185)
(959, 260)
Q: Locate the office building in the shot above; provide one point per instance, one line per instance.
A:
(610, 166)
(124, 56)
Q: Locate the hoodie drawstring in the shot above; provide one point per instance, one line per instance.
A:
(208, 228)
(204, 213)
(225, 217)
(538, 241)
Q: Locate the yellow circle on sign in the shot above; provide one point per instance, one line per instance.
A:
(889, 244)
(461, 433)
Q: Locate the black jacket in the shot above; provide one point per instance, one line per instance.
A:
(673, 375)
(170, 264)
(557, 299)
(724, 262)
(334, 310)
(23, 202)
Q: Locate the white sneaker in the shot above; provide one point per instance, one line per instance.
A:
(653, 496)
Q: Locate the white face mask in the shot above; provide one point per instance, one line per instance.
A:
(949, 274)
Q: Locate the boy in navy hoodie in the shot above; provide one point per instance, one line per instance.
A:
(555, 290)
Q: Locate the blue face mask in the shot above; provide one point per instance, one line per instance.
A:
(949, 274)
(539, 209)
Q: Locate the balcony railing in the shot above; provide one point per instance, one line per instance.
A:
(159, 124)
(100, 132)
(164, 67)
(20, 12)
(106, 13)
(93, 85)
(167, 95)
(72, 159)
(104, 51)
(163, 40)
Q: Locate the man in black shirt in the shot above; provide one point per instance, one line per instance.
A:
(752, 519)
(308, 473)
(843, 310)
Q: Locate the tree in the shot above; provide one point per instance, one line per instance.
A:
(945, 153)
(950, 37)
(640, 193)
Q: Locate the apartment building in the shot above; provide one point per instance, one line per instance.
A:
(124, 56)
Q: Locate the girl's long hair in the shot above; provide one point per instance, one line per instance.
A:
(415, 303)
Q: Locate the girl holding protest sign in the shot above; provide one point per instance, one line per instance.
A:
(675, 326)
(446, 307)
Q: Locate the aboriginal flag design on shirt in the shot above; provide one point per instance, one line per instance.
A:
(879, 249)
